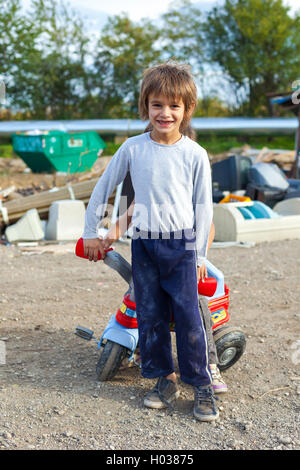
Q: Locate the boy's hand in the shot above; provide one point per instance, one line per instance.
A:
(92, 247)
(107, 242)
(201, 273)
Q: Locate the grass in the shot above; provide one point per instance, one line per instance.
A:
(213, 143)
(221, 143)
(6, 151)
(110, 149)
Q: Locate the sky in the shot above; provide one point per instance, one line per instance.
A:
(95, 13)
(99, 10)
(142, 8)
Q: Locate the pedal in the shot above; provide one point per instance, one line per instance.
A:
(84, 333)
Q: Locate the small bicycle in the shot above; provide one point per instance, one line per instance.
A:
(120, 337)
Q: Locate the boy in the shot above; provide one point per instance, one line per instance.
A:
(171, 222)
(116, 231)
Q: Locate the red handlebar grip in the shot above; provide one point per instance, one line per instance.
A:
(207, 287)
(79, 250)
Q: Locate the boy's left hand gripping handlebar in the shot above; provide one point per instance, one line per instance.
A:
(112, 259)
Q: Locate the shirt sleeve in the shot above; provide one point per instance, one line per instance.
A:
(112, 176)
(202, 204)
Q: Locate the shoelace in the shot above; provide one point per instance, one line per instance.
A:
(216, 375)
(206, 395)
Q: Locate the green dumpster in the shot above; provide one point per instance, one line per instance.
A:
(53, 151)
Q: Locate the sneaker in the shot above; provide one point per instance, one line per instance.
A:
(161, 396)
(218, 382)
(204, 405)
(134, 361)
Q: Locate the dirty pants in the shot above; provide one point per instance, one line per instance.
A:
(165, 280)
(206, 316)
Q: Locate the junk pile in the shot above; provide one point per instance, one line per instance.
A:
(254, 200)
(271, 178)
(43, 207)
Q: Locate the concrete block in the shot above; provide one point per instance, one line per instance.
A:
(288, 206)
(66, 220)
(28, 228)
(231, 225)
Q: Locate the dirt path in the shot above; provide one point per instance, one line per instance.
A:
(49, 396)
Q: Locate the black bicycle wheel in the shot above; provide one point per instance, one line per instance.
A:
(110, 360)
(230, 346)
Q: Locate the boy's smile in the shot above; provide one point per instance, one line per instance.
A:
(166, 115)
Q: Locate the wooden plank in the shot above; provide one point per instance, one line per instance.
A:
(42, 201)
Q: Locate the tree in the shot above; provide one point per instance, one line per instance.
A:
(59, 66)
(18, 37)
(211, 106)
(182, 39)
(256, 43)
(42, 58)
(181, 34)
(125, 50)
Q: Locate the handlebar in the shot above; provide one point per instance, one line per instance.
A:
(116, 261)
(79, 250)
(113, 259)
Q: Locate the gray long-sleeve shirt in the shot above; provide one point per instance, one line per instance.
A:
(172, 185)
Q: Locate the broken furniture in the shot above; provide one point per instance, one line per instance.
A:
(230, 175)
(261, 181)
(268, 183)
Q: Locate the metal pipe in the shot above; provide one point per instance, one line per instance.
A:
(134, 126)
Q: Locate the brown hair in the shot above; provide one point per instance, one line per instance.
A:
(174, 81)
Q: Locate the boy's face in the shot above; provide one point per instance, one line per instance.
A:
(165, 115)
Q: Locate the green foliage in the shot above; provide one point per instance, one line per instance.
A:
(181, 33)
(213, 143)
(110, 149)
(211, 106)
(53, 70)
(6, 151)
(218, 143)
(43, 58)
(17, 40)
(126, 49)
(256, 43)
(60, 71)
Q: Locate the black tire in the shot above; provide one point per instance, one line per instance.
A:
(230, 344)
(110, 360)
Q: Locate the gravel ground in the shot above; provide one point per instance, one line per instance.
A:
(49, 395)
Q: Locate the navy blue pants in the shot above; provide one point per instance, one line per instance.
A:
(165, 281)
